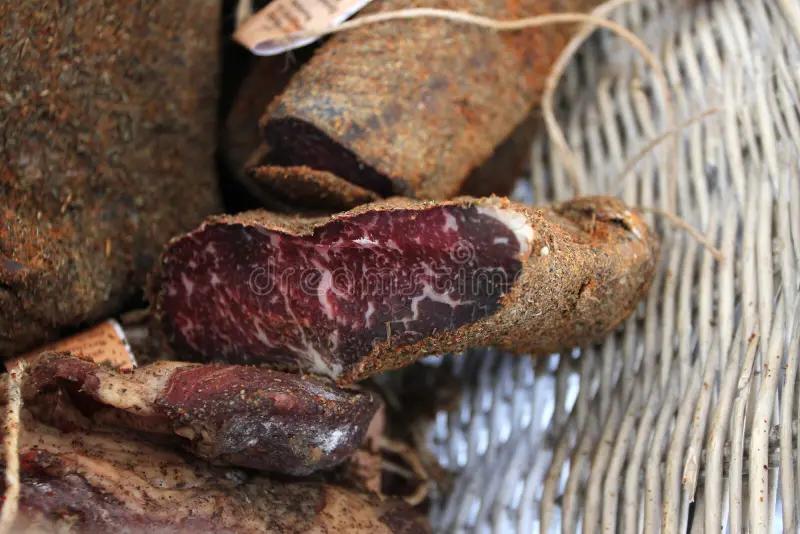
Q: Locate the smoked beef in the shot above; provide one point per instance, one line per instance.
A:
(107, 112)
(416, 107)
(376, 287)
(301, 188)
(113, 482)
(235, 415)
(248, 157)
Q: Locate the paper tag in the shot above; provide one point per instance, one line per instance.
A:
(104, 343)
(267, 32)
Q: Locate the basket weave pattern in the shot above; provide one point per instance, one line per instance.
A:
(684, 420)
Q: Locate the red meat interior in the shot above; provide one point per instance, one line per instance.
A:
(322, 302)
(296, 142)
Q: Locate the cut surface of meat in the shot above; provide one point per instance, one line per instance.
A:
(328, 298)
(418, 107)
(94, 481)
(312, 148)
(378, 286)
(234, 415)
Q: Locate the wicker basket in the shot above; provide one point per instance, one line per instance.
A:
(685, 419)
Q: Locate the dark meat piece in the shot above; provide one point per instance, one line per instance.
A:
(418, 107)
(107, 126)
(235, 415)
(240, 138)
(377, 287)
(104, 482)
(303, 188)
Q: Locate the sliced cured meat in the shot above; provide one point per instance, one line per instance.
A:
(377, 287)
(305, 187)
(114, 482)
(228, 414)
(331, 295)
(418, 107)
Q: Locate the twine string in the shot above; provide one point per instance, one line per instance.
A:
(597, 19)
(8, 514)
(683, 224)
(627, 171)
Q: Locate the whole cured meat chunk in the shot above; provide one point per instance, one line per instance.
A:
(115, 482)
(228, 414)
(107, 126)
(378, 286)
(417, 108)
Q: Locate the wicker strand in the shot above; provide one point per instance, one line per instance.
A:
(737, 186)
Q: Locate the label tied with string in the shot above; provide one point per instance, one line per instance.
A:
(269, 31)
(103, 343)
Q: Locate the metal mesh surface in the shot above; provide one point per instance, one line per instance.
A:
(685, 419)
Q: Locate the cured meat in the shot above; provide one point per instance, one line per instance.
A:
(113, 482)
(241, 140)
(300, 187)
(418, 107)
(107, 127)
(376, 287)
(236, 415)
(251, 161)
(240, 136)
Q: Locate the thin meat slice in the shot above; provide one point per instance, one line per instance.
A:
(378, 286)
(228, 414)
(290, 188)
(115, 482)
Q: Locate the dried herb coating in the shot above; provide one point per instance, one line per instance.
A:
(230, 415)
(107, 111)
(417, 107)
(114, 482)
(298, 188)
(375, 288)
(258, 168)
